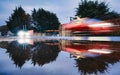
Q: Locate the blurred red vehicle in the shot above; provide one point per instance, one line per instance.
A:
(89, 25)
(87, 50)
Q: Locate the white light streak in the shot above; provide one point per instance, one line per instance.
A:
(103, 51)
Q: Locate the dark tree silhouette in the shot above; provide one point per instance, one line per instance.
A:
(4, 44)
(18, 53)
(99, 64)
(18, 19)
(44, 20)
(95, 9)
(91, 66)
(44, 54)
(39, 53)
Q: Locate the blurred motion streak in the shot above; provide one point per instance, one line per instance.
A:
(87, 25)
(89, 49)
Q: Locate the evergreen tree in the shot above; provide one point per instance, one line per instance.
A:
(44, 20)
(95, 9)
(18, 20)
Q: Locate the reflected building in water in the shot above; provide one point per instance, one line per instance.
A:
(90, 57)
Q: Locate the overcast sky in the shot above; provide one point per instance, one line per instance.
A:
(63, 8)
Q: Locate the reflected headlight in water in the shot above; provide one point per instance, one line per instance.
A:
(21, 41)
(25, 41)
(102, 51)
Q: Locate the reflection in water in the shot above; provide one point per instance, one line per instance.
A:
(19, 53)
(90, 57)
(97, 65)
(43, 53)
(93, 62)
(91, 65)
(40, 53)
(88, 49)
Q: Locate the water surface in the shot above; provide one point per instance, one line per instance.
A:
(60, 57)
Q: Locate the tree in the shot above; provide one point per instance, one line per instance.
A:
(18, 54)
(44, 20)
(44, 54)
(95, 9)
(18, 20)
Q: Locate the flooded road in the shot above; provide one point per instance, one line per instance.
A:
(59, 57)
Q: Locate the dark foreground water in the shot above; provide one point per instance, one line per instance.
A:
(59, 58)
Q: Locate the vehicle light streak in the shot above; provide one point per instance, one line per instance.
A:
(103, 51)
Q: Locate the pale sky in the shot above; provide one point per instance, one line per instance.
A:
(62, 8)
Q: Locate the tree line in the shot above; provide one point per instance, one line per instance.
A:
(95, 9)
(41, 20)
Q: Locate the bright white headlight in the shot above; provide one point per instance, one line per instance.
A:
(23, 34)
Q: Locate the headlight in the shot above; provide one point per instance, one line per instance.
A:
(23, 34)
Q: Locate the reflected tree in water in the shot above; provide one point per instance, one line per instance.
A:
(91, 66)
(89, 62)
(4, 44)
(110, 58)
(44, 53)
(98, 64)
(40, 53)
(19, 53)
